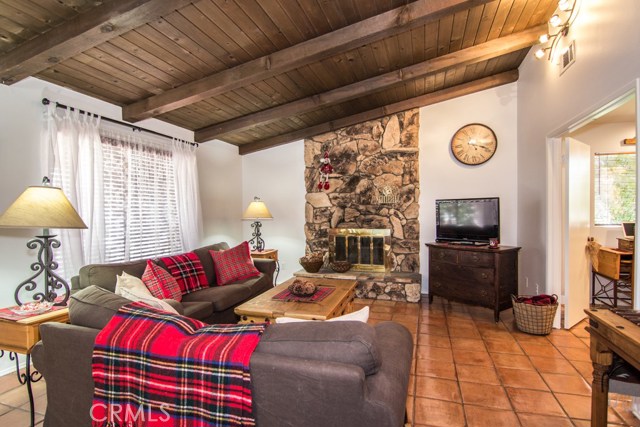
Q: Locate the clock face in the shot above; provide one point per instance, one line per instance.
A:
(474, 144)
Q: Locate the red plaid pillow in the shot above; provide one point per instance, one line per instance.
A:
(187, 270)
(233, 264)
(160, 283)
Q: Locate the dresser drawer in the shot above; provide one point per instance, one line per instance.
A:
(471, 275)
(479, 259)
(462, 291)
(444, 255)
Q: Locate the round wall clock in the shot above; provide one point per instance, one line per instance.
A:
(474, 144)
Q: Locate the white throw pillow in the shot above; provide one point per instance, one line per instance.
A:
(132, 283)
(361, 315)
(132, 288)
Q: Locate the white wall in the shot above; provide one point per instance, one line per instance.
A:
(220, 177)
(607, 60)
(21, 114)
(442, 177)
(277, 177)
(605, 138)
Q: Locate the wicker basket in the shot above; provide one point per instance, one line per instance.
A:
(534, 319)
(340, 266)
(311, 266)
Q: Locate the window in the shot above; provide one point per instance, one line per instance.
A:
(140, 204)
(614, 188)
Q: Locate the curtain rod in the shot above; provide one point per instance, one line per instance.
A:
(46, 101)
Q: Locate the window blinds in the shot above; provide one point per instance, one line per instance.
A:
(141, 213)
(614, 188)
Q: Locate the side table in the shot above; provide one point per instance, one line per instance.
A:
(19, 337)
(268, 254)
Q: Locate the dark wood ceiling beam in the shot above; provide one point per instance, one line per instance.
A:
(419, 101)
(471, 55)
(83, 32)
(375, 28)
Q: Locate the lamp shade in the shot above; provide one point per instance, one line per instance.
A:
(257, 210)
(41, 207)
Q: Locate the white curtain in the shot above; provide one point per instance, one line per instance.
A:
(74, 163)
(188, 192)
(75, 156)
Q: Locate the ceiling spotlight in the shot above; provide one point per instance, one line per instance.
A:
(556, 21)
(565, 5)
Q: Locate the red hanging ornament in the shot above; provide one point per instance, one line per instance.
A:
(325, 170)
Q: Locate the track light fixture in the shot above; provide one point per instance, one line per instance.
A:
(558, 25)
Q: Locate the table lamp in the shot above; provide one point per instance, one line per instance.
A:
(256, 211)
(43, 207)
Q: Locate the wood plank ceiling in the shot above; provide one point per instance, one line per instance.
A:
(258, 73)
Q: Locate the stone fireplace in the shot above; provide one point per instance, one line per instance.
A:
(374, 186)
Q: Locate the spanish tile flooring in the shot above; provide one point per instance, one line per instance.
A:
(467, 371)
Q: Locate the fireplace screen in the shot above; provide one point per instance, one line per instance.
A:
(365, 249)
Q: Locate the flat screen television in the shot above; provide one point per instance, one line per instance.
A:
(470, 221)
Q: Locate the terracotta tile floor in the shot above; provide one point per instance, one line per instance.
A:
(467, 371)
(493, 375)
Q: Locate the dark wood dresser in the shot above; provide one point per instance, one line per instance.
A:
(474, 275)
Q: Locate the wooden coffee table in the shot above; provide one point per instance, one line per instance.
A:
(264, 308)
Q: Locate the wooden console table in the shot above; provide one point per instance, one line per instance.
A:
(269, 254)
(19, 337)
(612, 281)
(476, 275)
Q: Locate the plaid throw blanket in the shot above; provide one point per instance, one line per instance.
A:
(152, 368)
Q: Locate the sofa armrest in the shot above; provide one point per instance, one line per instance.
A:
(266, 266)
(64, 358)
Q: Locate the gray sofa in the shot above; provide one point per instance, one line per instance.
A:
(309, 374)
(214, 304)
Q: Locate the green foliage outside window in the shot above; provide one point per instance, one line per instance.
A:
(614, 188)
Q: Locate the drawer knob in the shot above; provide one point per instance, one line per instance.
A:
(437, 285)
(437, 267)
(484, 275)
(484, 293)
(441, 255)
(474, 257)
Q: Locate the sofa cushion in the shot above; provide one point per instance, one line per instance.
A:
(256, 285)
(94, 306)
(197, 309)
(207, 261)
(160, 283)
(187, 270)
(344, 342)
(233, 264)
(221, 297)
(104, 275)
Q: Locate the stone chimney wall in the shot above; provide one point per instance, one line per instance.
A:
(375, 184)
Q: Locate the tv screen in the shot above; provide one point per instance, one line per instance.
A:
(468, 220)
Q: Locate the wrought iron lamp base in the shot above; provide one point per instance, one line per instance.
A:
(257, 242)
(44, 265)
